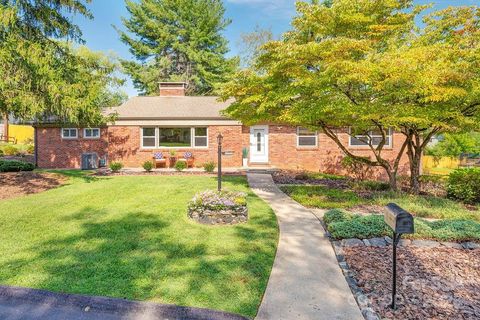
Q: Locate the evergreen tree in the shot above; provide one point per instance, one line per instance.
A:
(44, 76)
(177, 40)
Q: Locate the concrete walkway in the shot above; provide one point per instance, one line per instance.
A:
(306, 281)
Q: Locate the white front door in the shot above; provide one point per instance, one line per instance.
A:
(259, 144)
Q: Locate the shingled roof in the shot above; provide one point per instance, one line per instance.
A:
(182, 107)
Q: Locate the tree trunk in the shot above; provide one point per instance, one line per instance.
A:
(392, 179)
(415, 171)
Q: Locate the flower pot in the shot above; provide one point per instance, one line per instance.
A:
(245, 162)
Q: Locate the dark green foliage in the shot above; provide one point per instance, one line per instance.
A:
(464, 185)
(361, 227)
(177, 40)
(148, 166)
(209, 166)
(344, 225)
(15, 166)
(116, 166)
(180, 165)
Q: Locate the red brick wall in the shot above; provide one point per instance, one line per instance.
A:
(55, 153)
(122, 143)
(124, 146)
(326, 157)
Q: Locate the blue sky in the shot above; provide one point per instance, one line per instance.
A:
(245, 14)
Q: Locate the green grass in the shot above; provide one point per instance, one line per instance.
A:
(129, 237)
(343, 225)
(420, 206)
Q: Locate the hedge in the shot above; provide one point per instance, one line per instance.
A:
(345, 225)
(15, 166)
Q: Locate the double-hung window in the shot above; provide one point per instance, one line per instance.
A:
(200, 137)
(374, 137)
(149, 138)
(91, 133)
(306, 137)
(69, 133)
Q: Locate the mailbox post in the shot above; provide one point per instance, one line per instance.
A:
(401, 222)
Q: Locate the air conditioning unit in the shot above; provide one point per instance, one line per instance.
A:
(89, 161)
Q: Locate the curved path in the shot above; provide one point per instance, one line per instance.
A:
(306, 281)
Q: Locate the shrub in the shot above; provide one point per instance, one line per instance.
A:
(180, 165)
(116, 166)
(10, 150)
(15, 166)
(209, 166)
(148, 166)
(30, 149)
(344, 225)
(358, 170)
(217, 200)
(464, 185)
(1, 153)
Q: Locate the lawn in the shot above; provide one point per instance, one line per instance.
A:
(421, 206)
(129, 237)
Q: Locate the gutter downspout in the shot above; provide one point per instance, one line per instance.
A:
(35, 145)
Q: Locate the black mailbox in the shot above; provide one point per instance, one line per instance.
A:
(398, 219)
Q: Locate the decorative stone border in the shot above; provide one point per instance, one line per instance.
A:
(362, 300)
(220, 217)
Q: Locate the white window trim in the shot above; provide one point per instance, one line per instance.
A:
(68, 138)
(298, 139)
(156, 138)
(389, 145)
(193, 138)
(92, 137)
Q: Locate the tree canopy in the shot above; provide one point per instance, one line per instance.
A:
(366, 64)
(177, 40)
(42, 75)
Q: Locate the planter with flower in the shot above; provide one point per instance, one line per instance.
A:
(219, 207)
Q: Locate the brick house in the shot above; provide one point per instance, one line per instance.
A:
(173, 121)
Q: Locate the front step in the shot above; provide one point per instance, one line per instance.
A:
(263, 170)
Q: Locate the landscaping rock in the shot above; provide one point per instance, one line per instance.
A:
(214, 217)
(404, 242)
(471, 245)
(378, 242)
(369, 314)
(388, 240)
(352, 243)
(452, 245)
(367, 242)
(426, 243)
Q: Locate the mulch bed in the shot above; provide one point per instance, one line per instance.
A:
(433, 283)
(17, 184)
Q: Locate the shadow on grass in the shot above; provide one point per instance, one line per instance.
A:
(136, 257)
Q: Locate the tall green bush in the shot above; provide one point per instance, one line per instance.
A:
(464, 185)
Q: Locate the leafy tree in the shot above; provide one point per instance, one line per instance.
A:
(454, 145)
(366, 64)
(250, 44)
(176, 40)
(42, 75)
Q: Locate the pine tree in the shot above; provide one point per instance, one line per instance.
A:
(177, 40)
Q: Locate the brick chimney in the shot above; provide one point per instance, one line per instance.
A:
(172, 89)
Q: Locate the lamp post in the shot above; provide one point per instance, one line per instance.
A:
(219, 141)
